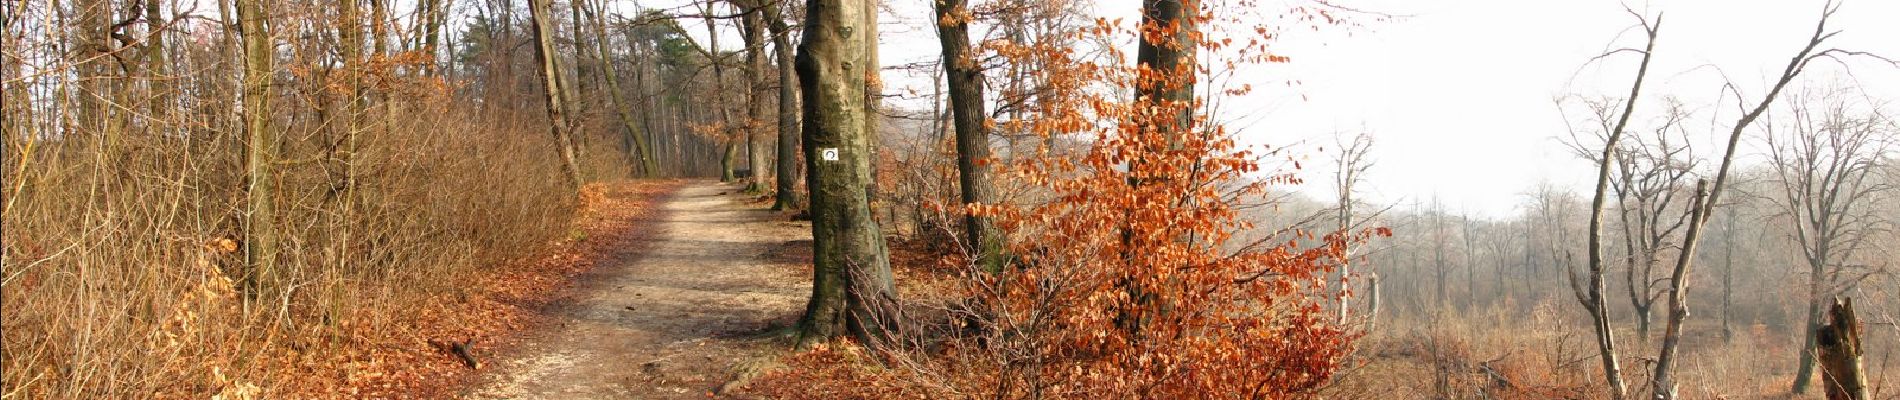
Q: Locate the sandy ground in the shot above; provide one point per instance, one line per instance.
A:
(675, 316)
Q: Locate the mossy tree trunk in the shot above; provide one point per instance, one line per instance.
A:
(851, 286)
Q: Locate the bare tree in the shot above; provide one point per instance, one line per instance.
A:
(1592, 296)
(1439, 244)
(1649, 182)
(1350, 167)
(1678, 310)
(1824, 159)
(1652, 209)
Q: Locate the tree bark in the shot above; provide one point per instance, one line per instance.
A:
(350, 32)
(873, 94)
(788, 166)
(1840, 352)
(1661, 385)
(1171, 59)
(730, 151)
(1728, 277)
(551, 77)
(260, 227)
(1372, 302)
(851, 287)
(430, 17)
(965, 80)
(155, 60)
(752, 23)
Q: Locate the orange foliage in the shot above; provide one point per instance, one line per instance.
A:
(1127, 281)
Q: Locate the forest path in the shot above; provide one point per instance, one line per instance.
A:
(673, 316)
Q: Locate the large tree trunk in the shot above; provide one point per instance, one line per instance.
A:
(788, 165)
(965, 79)
(260, 239)
(851, 287)
(551, 76)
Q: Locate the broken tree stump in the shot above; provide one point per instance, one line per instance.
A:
(1839, 346)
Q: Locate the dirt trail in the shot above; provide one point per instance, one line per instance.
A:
(674, 315)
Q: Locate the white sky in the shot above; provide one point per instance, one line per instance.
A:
(1459, 94)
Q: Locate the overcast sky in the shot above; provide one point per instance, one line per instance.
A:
(1458, 93)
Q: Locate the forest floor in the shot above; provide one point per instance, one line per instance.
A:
(694, 304)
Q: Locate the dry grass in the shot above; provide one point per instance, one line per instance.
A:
(121, 256)
(1549, 352)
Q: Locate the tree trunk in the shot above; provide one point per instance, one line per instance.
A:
(1661, 386)
(1804, 376)
(581, 93)
(873, 95)
(1372, 302)
(260, 242)
(639, 150)
(1645, 314)
(965, 79)
(1840, 351)
(1471, 266)
(1592, 298)
(851, 284)
(1728, 278)
(586, 91)
(753, 25)
(1167, 47)
(788, 165)
(350, 32)
(551, 77)
(1174, 59)
(379, 42)
(729, 152)
(155, 60)
(430, 17)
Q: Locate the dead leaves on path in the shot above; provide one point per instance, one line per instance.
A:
(405, 356)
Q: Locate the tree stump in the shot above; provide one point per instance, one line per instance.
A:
(1839, 346)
